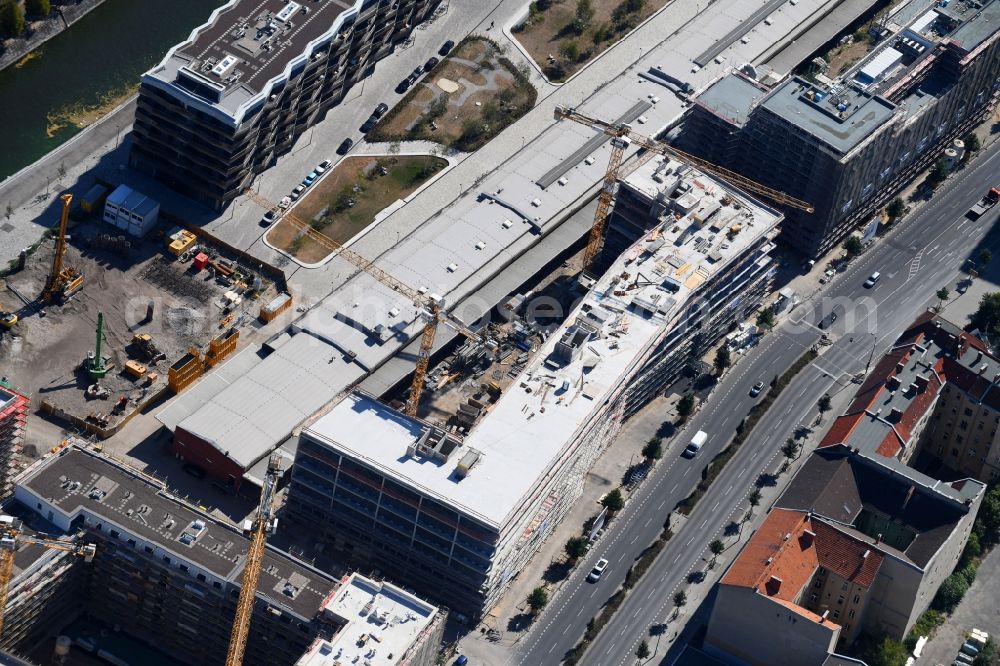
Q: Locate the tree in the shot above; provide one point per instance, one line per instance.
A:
(853, 246)
(38, 7)
(987, 317)
(394, 147)
(613, 501)
(754, 499)
(896, 208)
(576, 547)
(943, 295)
(538, 599)
(765, 318)
(570, 50)
(824, 404)
(584, 15)
(938, 173)
(11, 19)
(717, 548)
(653, 449)
(973, 548)
(887, 653)
(950, 593)
(643, 650)
(790, 448)
(9, 210)
(680, 599)
(971, 141)
(722, 359)
(985, 256)
(988, 519)
(685, 405)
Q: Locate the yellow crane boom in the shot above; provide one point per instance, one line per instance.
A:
(261, 526)
(61, 280)
(622, 136)
(10, 537)
(431, 306)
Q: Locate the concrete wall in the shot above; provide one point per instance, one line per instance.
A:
(741, 617)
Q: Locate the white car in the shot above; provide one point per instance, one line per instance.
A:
(595, 573)
(323, 166)
(297, 192)
(285, 203)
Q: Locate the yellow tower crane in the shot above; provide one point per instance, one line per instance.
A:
(62, 281)
(431, 306)
(11, 537)
(258, 530)
(623, 136)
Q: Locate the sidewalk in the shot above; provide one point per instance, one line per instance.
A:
(508, 617)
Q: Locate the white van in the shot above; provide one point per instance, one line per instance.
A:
(697, 442)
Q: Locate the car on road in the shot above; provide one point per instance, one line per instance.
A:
(430, 64)
(757, 388)
(872, 279)
(597, 571)
(297, 192)
(310, 179)
(697, 442)
(446, 48)
(268, 219)
(323, 166)
(462, 660)
(345, 146)
(827, 321)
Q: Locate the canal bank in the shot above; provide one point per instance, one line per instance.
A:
(62, 17)
(87, 70)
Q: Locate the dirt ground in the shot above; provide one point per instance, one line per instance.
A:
(842, 57)
(42, 355)
(463, 102)
(547, 34)
(360, 180)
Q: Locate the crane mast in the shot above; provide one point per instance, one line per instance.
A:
(622, 136)
(260, 528)
(431, 306)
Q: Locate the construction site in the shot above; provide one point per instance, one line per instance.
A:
(98, 325)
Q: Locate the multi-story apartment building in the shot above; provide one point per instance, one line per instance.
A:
(934, 395)
(856, 544)
(163, 571)
(223, 105)
(13, 421)
(848, 145)
(458, 518)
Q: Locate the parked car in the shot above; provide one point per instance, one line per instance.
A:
(403, 86)
(310, 179)
(757, 388)
(462, 660)
(268, 219)
(415, 75)
(285, 203)
(597, 571)
(345, 147)
(380, 110)
(369, 124)
(446, 48)
(297, 192)
(323, 166)
(430, 64)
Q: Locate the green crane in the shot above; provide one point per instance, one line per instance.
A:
(95, 361)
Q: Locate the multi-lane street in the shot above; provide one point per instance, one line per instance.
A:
(925, 253)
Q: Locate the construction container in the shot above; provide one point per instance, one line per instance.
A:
(183, 242)
(135, 368)
(94, 199)
(200, 261)
(187, 369)
(222, 346)
(281, 303)
(132, 211)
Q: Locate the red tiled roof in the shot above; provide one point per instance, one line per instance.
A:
(890, 446)
(841, 429)
(845, 555)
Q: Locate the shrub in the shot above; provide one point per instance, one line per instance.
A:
(950, 593)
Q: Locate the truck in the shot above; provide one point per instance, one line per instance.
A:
(697, 442)
(988, 201)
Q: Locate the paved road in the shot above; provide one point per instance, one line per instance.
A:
(919, 257)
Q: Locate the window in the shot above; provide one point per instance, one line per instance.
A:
(905, 158)
(921, 145)
(857, 598)
(885, 173)
(959, 439)
(115, 534)
(201, 577)
(963, 425)
(847, 206)
(840, 600)
(867, 190)
(954, 451)
(941, 128)
(812, 598)
(818, 584)
(131, 542)
(850, 614)
(184, 567)
(847, 628)
(148, 549)
(836, 614)
(968, 411)
(845, 586)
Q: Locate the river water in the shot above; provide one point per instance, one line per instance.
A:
(92, 62)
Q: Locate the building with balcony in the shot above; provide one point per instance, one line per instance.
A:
(847, 145)
(13, 422)
(457, 518)
(225, 104)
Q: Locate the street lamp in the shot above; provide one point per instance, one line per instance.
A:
(118, 135)
(872, 354)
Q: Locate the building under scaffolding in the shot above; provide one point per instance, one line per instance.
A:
(458, 517)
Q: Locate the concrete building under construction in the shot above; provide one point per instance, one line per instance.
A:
(13, 421)
(457, 517)
(847, 145)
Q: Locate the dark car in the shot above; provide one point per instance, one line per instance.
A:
(380, 110)
(430, 64)
(345, 147)
(403, 86)
(757, 388)
(369, 124)
(446, 48)
(827, 321)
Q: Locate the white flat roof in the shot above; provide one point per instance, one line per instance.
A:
(382, 623)
(538, 419)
